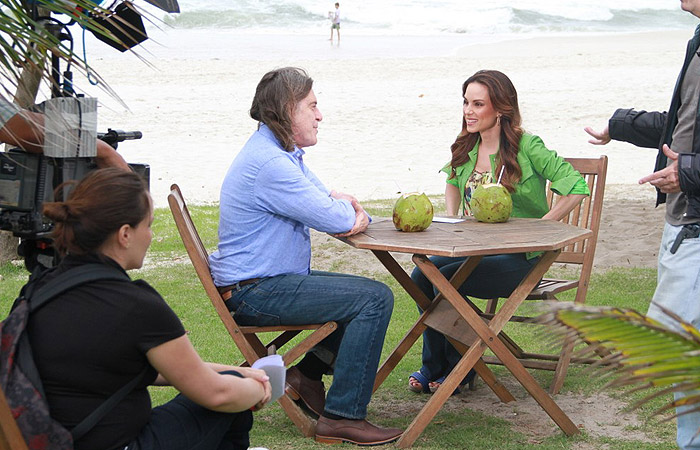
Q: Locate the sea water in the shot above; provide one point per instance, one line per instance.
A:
(409, 28)
(428, 17)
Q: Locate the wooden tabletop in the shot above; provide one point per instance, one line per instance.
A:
(470, 237)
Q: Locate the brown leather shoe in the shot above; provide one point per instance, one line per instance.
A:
(311, 393)
(359, 432)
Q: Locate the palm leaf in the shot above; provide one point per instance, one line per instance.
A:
(24, 42)
(642, 353)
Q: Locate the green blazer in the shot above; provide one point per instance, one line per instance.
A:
(538, 164)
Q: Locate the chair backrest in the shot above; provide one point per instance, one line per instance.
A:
(10, 436)
(200, 260)
(586, 215)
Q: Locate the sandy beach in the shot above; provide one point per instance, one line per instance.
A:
(391, 108)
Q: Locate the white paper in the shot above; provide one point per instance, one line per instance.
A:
(447, 219)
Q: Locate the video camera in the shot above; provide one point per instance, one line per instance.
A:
(27, 180)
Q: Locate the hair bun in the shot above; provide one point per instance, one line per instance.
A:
(57, 211)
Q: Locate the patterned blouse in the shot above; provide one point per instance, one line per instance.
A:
(475, 180)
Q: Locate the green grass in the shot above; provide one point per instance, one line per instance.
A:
(457, 425)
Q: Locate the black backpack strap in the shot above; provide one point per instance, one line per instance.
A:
(70, 279)
(94, 417)
(37, 298)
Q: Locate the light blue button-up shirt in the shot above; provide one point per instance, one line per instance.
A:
(269, 200)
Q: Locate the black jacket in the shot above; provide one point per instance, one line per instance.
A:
(654, 129)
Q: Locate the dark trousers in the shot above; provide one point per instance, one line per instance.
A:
(181, 424)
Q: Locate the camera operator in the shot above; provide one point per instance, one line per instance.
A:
(25, 129)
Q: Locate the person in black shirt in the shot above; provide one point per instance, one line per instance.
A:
(94, 339)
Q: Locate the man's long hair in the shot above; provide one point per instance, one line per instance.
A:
(504, 99)
(276, 97)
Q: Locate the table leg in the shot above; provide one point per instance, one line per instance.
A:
(412, 336)
(414, 333)
(431, 408)
(399, 352)
(487, 337)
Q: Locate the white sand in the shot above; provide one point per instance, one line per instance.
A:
(389, 118)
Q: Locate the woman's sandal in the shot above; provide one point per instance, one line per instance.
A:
(470, 379)
(420, 378)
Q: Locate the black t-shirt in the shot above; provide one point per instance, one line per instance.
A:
(93, 340)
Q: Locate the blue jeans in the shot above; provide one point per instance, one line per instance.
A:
(361, 307)
(181, 424)
(678, 290)
(495, 276)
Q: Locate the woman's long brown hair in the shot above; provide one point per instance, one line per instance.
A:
(504, 99)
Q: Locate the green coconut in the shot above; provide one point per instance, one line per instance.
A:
(491, 203)
(413, 212)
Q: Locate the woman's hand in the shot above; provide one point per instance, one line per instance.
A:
(249, 373)
(267, 391)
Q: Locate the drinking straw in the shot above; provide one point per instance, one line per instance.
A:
(500, 175)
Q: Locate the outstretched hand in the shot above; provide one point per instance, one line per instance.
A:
(599, 137)
(666, 179)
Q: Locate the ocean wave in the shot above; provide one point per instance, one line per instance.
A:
(274, 16)
(608, 21)
(446, 16)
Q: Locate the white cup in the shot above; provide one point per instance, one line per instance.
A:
(273, 366)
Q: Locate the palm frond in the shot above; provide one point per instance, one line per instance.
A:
(25, 41)
(642, 352)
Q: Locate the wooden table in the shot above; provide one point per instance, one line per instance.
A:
(458, 319)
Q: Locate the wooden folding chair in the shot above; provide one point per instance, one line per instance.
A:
(245, 337)
(10, 436)
(586, 215)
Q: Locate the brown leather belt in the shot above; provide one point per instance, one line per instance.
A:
(225, 291)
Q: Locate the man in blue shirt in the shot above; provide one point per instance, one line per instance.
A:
(269, 201)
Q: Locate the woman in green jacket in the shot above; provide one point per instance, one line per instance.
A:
(492, 144)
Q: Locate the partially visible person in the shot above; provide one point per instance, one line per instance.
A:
(269, 201)
(492, 142)
(25, 129)
(95, 338)
(335, 22)
(676, 177)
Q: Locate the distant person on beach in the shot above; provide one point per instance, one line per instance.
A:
(335, 21)
(492, 147)
(25, 129)
(676, 177)
(269, 201)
